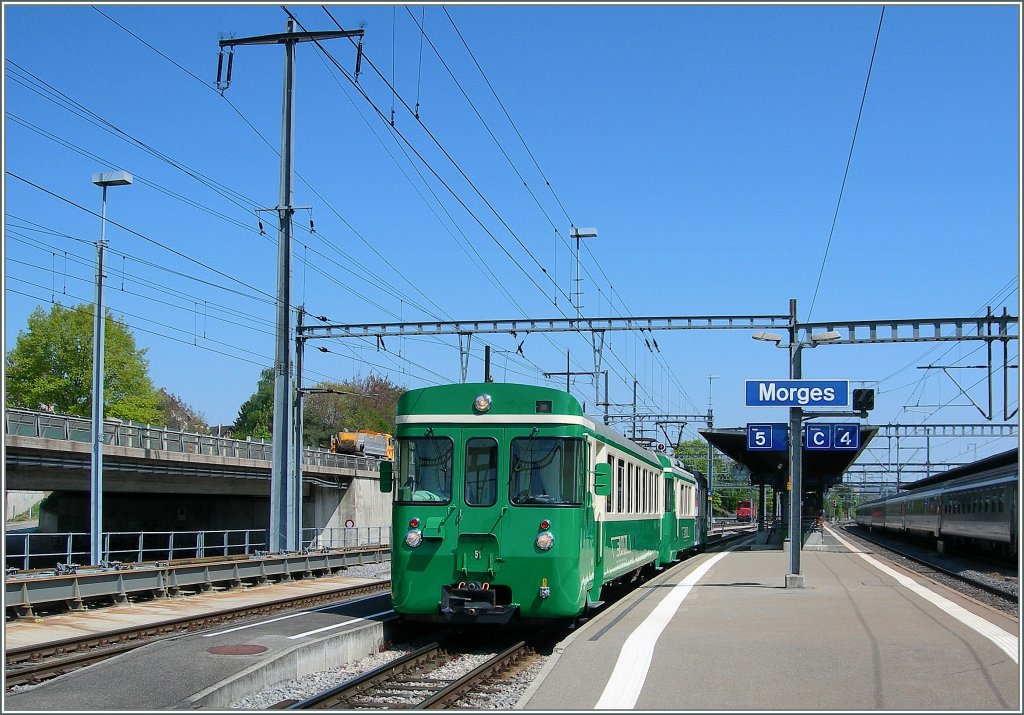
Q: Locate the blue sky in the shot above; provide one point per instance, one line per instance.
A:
(706, 143)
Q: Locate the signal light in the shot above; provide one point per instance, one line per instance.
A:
(545, 525)
(414, 522)
(863, 400)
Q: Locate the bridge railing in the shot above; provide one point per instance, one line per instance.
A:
(46, 550)
(345, 537)
(33, 423)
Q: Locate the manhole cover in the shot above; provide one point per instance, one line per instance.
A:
(236, 649)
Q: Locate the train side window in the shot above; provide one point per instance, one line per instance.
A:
(481, 471)
(611, 497)
(641, 475)
(620, 486)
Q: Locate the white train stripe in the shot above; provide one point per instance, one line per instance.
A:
(1007, 642)
(627, 679)
(463, 418)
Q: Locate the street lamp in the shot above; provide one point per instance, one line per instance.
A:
(103, 179)
(579, 233)
(795, 579)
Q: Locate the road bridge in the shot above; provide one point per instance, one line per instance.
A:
(147, 469)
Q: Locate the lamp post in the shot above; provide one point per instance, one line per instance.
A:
(103, 180)
(794, 579)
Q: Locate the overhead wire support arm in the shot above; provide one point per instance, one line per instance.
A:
(548, 325)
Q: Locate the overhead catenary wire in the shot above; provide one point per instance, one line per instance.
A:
(849, 160)
(166, 57)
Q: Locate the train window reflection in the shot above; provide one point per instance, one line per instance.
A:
(545, 470)
(481, 471)
(424, 469)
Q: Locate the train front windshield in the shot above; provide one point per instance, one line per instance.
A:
(546, 470)
(425, 469)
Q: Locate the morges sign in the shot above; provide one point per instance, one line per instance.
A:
(798, 393)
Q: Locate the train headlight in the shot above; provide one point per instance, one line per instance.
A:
(482, 403)
(545, 540)
(414, 538)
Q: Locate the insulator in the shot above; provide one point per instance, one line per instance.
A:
(220, 64)
(359, 59)
(311, 229)
(261, 226)
(231, 59)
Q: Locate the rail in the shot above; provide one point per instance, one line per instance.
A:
(68, 549)
(47, 425)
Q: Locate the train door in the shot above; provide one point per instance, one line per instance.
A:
(480, 491)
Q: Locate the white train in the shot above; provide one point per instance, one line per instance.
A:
(978, 509)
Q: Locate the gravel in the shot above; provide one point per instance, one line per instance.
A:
(502, 698)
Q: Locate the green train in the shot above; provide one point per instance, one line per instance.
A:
(511, 505)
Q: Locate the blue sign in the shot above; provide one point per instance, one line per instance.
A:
(832, 436)
(845, 436)
(818, 437)
(768, 437)
(798, 393)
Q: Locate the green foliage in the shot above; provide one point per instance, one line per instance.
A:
(372, 407)
(51, 365)
(694, 454)
(178, 415)
(366, 403)
(841, 502)
(256, 415)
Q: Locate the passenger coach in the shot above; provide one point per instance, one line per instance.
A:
(511, 504)
(979, 509)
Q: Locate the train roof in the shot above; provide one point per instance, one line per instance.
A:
(1009, 458)
(512, 400)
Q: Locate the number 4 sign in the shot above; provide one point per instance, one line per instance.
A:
(845, 436)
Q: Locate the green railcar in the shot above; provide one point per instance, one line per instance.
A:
(511, 504)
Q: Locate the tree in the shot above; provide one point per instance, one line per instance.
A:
(256, 415)
(51, 365)
(371, 407)
(363, 404)
(178, 415)
(694, 454)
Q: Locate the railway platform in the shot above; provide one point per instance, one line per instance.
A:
(202, 670)
(722, 632)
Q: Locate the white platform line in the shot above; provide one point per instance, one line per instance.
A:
(361, 619)
(283, 618)
(627, 679)
(1007, 642)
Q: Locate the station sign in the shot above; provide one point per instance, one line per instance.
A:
(832, 436)
(769, 437)
(798, 393)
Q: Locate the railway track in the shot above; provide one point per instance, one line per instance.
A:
(34, 664)
(416, 681)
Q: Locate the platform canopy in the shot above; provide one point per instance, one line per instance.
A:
(821, 470)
